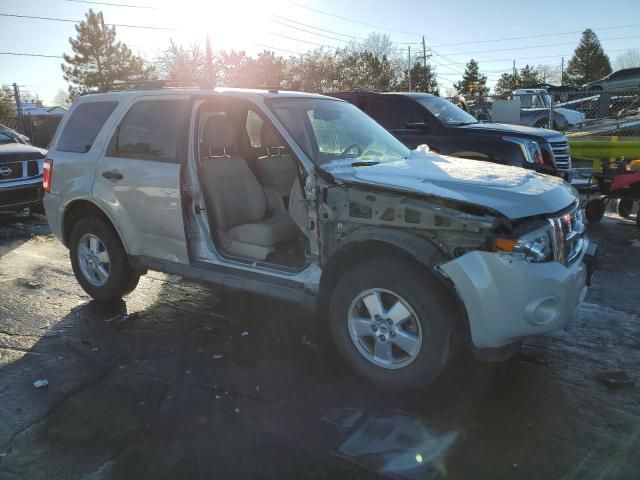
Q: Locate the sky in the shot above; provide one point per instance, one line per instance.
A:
(494, 32)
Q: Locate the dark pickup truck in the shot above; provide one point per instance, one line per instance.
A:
(421, 118)
(21, 177)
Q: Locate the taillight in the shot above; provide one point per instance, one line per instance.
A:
(47, 170)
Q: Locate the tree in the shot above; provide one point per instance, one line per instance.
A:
(589, 62)
(7, 102)
(423, 79)
(61, 99)
(364, 71)
(506, 84)
(99, 59)
(529, 76)
(472, 81)
(181, 63)
(628, 59)
(267, 70)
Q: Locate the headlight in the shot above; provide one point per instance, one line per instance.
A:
(530, 149)
(534, 247)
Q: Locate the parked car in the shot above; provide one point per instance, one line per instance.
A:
(20, 176)
(560, 93)
(627, 78)
(305, 198)
(421, 118)
(534, 110)
(8, 135)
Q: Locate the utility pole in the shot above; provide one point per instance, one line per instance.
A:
(562, 72)
(16, 96)
(424, 53)
(101, 20)
(210, 72)
(409, 70)
(514, 69)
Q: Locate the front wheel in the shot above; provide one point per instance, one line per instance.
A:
(594, 210)
(99, 261)
(392, 323)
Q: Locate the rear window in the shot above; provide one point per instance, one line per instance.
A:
(84, 125)
(152, 129)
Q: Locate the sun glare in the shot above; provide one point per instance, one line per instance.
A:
(239, 24)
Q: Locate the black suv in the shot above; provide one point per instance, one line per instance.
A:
(421, 118)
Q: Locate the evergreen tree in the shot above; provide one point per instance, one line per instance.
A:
(7, 102)
(506, 84)
(529, 76)
(472, 81)
(589, 62)
(422, 79)
(99, 59)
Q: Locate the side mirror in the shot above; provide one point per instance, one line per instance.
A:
(483, 117)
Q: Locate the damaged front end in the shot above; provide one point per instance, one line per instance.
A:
(514, 278)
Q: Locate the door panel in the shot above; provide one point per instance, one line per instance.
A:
(139, 180)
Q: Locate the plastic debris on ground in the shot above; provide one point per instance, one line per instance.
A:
(40, 383)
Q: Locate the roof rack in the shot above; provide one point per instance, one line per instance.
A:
(155, 85)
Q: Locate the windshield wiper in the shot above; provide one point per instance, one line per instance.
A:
(365, 163)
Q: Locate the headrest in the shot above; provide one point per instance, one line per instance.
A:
(218, 134)
(269, 137)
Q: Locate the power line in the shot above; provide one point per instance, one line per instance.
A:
(113, 4)
(541, 46)
(526, 37)
(347, 19)
(315, 33)
(542, 56)
(20, 54)
(54, 19)
(269, 47)
(315, 28)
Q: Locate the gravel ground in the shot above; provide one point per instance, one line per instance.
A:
(187, 381)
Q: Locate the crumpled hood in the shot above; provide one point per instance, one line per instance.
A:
(512, 191)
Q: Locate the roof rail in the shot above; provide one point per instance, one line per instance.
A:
(155, 85)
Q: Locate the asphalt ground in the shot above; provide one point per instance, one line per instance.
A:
(187, 381)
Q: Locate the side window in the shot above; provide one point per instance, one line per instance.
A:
(254, 127)
(151, 129)
(84, 125)
(526, 101)
(394, 113)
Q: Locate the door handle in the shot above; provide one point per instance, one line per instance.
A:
(112, 175)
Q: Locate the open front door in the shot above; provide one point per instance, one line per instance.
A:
(140, 177)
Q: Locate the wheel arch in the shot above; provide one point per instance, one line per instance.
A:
(82, 208)
(366, 243)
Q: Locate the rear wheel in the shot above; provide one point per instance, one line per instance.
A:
(594, 210)
(392, 323)
(625, 207)
(99, 261)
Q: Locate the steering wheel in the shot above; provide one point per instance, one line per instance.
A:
(343, 153)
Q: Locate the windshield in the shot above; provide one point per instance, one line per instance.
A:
(330, 130)
(445, 111)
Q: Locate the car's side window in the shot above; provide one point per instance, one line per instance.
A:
(151, 130)
(254, 127)
(394, 113)
(83, 126)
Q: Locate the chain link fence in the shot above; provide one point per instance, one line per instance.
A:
(39, 128)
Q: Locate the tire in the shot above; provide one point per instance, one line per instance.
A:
(594, 210)
(432, 322)
(119, 280)
(625, 207)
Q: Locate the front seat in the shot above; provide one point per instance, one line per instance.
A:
(245, 224)
(277, 169)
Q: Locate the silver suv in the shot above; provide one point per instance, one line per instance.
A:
(410, 255)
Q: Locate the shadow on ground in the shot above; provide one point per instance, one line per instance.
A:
(183, 381)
